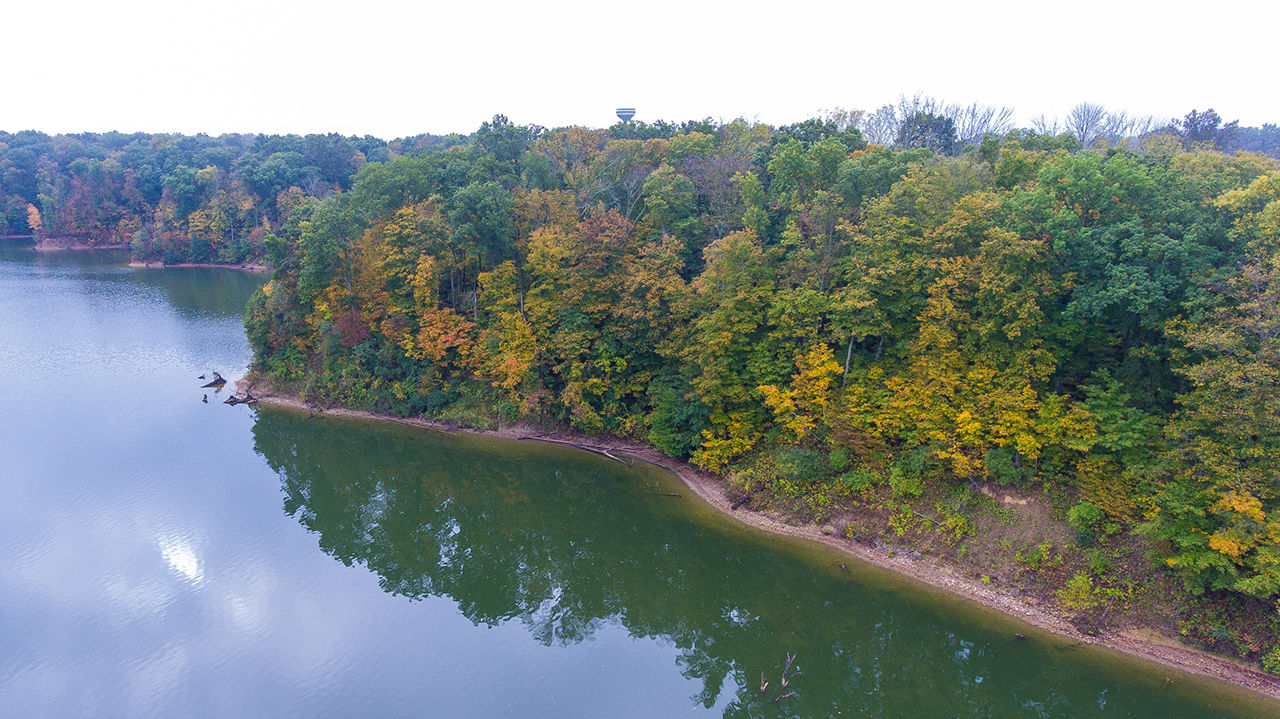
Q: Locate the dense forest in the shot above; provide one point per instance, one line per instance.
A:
(176, 198)
(1091, 307)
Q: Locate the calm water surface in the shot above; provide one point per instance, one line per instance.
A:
(160, 556)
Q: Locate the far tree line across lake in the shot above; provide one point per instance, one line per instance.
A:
(836, 326)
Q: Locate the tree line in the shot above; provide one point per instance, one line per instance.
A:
(1091, 304)
(1022, 310)
(176, 198)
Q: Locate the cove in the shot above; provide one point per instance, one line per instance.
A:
(167, 556)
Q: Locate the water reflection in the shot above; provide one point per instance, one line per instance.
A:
(566, 544)
(204, 292)
(180, 554)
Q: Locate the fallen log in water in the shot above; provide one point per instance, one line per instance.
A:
(598, 449)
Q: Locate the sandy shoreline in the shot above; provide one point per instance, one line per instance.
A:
(1135, 642)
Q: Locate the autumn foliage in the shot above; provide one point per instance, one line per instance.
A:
(1022, 311)
(1017, 310)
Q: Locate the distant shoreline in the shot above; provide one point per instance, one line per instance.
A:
(54, 244)
(1134, 642)
(157, 264)
(59, 245)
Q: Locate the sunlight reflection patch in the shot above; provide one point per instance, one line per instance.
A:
(181, 557)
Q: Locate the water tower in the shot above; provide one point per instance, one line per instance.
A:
(626, 113)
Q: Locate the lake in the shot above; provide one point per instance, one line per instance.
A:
(161, 555)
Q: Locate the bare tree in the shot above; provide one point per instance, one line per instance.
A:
(1086, 121)
(881, 126)
(1045, 125)
(844, 119)
(1143, 126)
(1095, 125)
(977, 121)
(1120, 126)
(972, 122)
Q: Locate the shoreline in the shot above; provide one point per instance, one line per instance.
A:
(1135, 642)
(159, 265)
(47, 245)
(53, 245)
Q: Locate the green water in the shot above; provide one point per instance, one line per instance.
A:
(164, 556)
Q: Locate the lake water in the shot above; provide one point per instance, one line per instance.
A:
(163, 556)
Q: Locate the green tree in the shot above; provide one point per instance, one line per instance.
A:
(1218, 509)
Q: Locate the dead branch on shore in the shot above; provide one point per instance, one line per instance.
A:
(606, 453)
(598, 449)
(638, 458)
(629, 453)
(234, 400)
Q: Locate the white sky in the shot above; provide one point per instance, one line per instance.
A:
(391, 69)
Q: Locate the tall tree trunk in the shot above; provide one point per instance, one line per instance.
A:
(847, 357)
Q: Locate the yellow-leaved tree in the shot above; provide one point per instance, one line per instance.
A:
(802, 406)
(33, 218)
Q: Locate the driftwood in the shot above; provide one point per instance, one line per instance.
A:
(787, 675)
(666, 494)
(629, 452)
(787, 679)
(598, 449)
(637, 458)
(740, 502)
(217, 381)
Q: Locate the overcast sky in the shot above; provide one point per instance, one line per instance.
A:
(399, 68)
